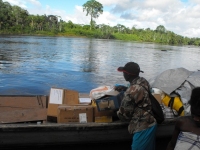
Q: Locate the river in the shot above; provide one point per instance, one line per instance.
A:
(31, 65)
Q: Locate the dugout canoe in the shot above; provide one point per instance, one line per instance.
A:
(28, 134)
(41, 132)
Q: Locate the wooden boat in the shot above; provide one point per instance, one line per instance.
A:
(41, 132)
(71, 133)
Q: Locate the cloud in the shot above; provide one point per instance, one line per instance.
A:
(79, 17)
(21, 3)
(35, 2)
(195, 32)
(175, 15)
(107, 18)
(113, 2)
(195, 1)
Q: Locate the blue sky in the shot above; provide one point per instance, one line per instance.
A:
(67, 5)
(180, 16)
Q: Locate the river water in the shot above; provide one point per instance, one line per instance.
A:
(31, 65)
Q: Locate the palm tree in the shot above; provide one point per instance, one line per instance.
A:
(94, 9)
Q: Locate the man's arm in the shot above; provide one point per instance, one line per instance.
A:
(120, 88)
(175, 134)
(126, 109)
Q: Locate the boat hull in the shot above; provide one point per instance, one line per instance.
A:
(54, 133)
(29, 133)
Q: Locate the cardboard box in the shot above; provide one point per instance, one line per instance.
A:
(158, 97)
(69, 113)
(59, 96)
(103, 119)
(98, 113)
(23, 108)
(109, 102)
(84, 98)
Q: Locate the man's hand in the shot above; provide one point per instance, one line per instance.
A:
(120, 88)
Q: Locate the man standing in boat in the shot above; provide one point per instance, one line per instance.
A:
(136, 108)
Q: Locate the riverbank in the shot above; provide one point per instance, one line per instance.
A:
(47, 35)
(97, 34)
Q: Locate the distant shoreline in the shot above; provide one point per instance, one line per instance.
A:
(79, 36)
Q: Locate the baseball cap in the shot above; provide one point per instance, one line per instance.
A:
(130, 68)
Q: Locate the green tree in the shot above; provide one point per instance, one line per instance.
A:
(5, 14)
(94, 9)
(161, 29)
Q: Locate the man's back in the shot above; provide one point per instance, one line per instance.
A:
(136, 106)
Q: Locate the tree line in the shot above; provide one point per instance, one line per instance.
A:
(16, 20)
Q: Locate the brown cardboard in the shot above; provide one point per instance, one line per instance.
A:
(8, 103)
(101, 113)
(158, 97)
(68, 97)
(103, 105)
(52, 106)
(23, 108)
(69, 113)
(52, 110)
(23, 115)
(109, 102)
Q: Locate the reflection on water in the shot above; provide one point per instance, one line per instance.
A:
(32, 65)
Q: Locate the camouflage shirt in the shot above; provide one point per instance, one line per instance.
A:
(136, 106)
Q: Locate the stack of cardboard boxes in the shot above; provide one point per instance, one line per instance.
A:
(61, 106)
(67, 106)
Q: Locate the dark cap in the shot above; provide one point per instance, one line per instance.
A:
(131, 68)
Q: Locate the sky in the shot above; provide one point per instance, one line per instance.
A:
(179, 16)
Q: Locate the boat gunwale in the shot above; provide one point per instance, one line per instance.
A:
(49, 126)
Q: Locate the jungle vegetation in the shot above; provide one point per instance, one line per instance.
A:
(16, 20)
